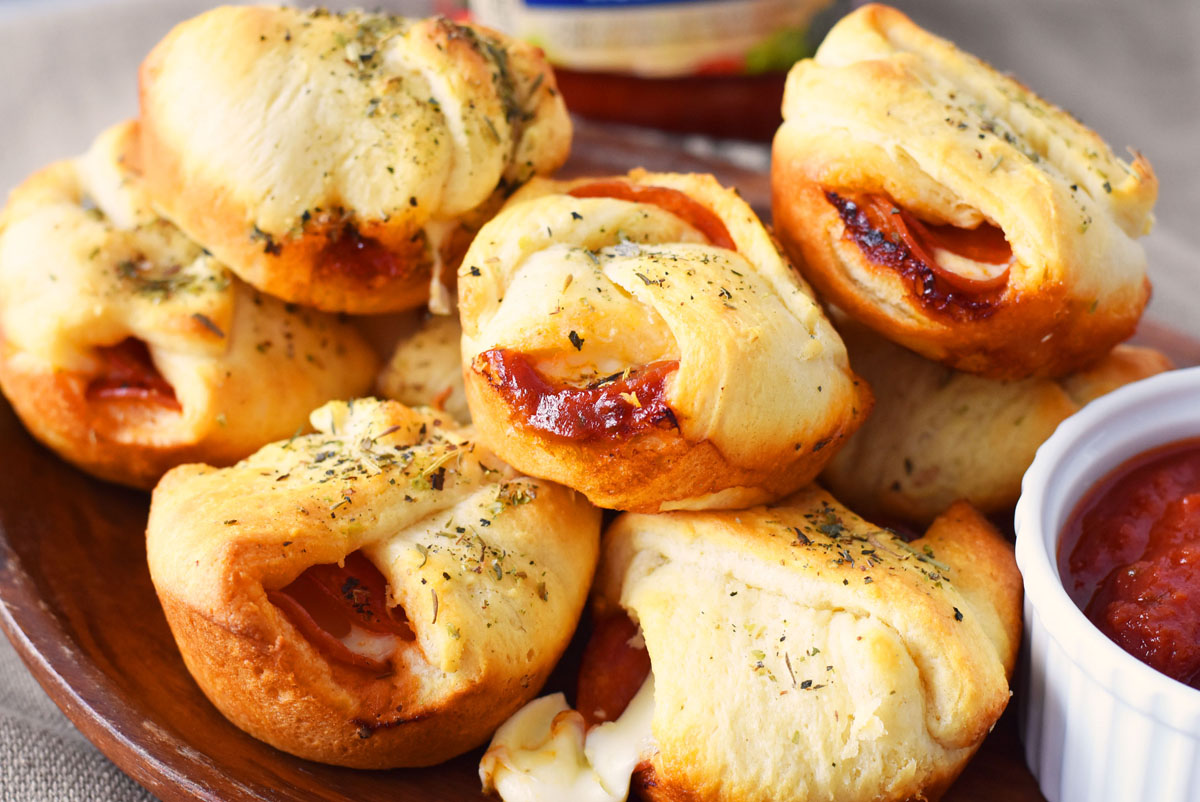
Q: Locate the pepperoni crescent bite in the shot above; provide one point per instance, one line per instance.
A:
(382, 593)
(937, 435)
(336, 160)
(642, 340)
(953, 210)
(128, 349)
(876, 666)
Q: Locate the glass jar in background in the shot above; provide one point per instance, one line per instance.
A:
(708, 66)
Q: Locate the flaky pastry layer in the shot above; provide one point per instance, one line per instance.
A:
(937, 435)
(337, 160)
(490, 569)
(593, 290)
(87, 266)
(886, 109)
(876, 666)
(425, 368)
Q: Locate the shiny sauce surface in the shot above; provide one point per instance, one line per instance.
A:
(328, 602)
(1130, 558)
(360, 258)
(892, 237)
(616, 406)
(129, 374)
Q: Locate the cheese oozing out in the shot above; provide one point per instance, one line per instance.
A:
(545, 753)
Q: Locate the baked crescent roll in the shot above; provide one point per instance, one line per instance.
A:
(382, 593)
(876, 666)
(937, 435)
(337, 160)
(425, 368)
(128, 348)
(641, 339)
(950, 208)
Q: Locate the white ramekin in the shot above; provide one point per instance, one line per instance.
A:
(1098, 724)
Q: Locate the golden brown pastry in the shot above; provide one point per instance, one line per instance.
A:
(642, 340)
(127, 348)
(791, 653)
(382, 593)
(425, 368)
(953, 210)
(336, 160)
(937, 435)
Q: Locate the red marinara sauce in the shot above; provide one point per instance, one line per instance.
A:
(619, 405)
(1130, 558)
(361, 258)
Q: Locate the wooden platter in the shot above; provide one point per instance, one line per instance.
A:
(79, 607)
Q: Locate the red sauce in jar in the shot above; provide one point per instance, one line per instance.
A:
(326, 601)
(604, 409)
(612, 670)
(129, 374)
(735, 106)
(683, 206)
(892, 237)
(1130, 558)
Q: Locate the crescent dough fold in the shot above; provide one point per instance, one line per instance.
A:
(88, 272)
(876, 666)
(887, 113)
(425, 368)
(937, 435)
(489, 568)
(753, 390)
(336, 160)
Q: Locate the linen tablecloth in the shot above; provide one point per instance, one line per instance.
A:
(1130, 70)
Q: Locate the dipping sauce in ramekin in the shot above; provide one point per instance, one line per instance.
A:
(1130, 558)
(1099, 725)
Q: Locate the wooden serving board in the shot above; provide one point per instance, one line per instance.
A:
(80, 609)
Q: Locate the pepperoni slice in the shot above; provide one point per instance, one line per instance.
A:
(612, 670)
(985, 243)
(343, 610)
(697, 215)
(129, 373)
(617, 406)
(892, 237)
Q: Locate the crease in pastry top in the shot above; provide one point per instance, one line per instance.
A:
(953, 210)
(642, 340)
(343, 160)
(726, 639)
(937, 435)
(128, 348)
(384, 592)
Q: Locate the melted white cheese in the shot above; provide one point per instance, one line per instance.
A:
(545, 753)
(377, 646)
(969, 268)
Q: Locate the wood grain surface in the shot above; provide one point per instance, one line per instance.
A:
(80, 609)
